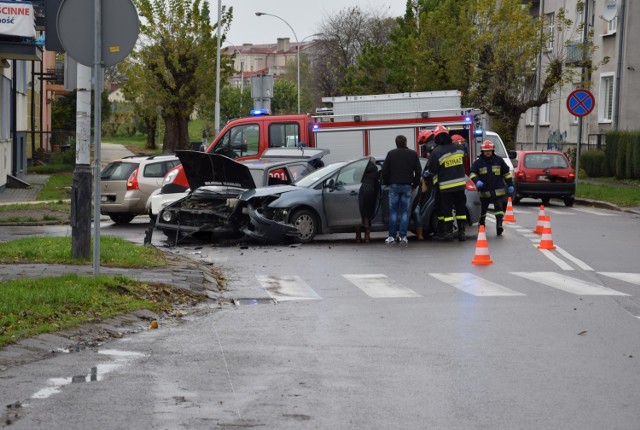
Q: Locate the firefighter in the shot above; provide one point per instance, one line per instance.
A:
(425, 140)
(446, 167)
(493, 180)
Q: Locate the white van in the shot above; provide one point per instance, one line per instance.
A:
(500, 151)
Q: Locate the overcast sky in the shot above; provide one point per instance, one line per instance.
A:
(303, 16)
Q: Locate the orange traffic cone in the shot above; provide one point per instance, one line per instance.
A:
(509, 216)
(482, 249)
(546, 242)
(541, 218)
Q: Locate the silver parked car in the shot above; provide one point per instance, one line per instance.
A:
(326, 201)
(126, 184)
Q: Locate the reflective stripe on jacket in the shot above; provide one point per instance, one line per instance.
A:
(446, 164)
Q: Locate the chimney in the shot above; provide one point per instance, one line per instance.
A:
(283, 44)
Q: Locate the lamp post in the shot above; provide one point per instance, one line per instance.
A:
(297, 50)
(217, 103)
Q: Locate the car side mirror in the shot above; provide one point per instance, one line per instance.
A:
(330, 183)
(512, 154)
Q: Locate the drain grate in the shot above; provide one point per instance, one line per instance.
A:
(245, 302)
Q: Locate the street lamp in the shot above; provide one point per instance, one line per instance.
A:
(298, 49)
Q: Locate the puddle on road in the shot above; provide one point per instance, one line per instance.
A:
(96, 373)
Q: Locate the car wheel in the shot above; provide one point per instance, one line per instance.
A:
(545, 200)
(516, 199)
(307, 225)
(121, 218)
(568, 201)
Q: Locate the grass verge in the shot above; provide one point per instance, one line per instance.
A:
(47, 304)
(616, 193)
(114, 252)
(42, 305)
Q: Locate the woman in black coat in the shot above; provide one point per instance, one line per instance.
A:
(368, 199)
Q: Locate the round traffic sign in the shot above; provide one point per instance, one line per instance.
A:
(580, 102)
(119, 25)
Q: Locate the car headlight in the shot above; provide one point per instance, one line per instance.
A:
(167, 216)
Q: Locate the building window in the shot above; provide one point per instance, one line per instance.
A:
(575, 86)
(612, 25)
(21, 76)
(5, 108)
(544, 114)
(550, 26)
(605, 111)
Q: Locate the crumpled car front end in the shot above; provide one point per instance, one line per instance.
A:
(268, 222)
(205, 213)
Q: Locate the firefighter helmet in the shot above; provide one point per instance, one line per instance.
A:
(487, 145)
(424, 135)
(438, 130)
(458, 139)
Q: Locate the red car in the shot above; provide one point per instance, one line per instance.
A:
(544, 175)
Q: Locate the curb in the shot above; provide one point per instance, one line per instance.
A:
(606, 205)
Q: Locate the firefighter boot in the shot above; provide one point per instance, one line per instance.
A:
(499, 228)
(461, 232)
(420, 233)
(358, 235)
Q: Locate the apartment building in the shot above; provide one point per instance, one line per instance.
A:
(615, 85)
(264, 59)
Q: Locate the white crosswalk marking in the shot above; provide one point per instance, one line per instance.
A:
(287, 288)
(595, 212)
(581, 264)
(632, 278)
(475, 285)
(380, 286)
(551, 256)
(569, 284)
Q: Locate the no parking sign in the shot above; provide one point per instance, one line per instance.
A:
(580, 103)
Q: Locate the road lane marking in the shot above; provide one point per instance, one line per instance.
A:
(551, 256)
(632, 278)
(287, 288)
(380, 286)
(558, 212)
(475, 285)
(595, 212)
(581, 264)
(569, 284)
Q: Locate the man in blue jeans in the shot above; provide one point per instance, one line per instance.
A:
(401, 170)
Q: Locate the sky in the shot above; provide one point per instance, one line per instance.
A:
(303, 16)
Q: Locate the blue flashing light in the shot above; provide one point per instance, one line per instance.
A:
(477, 132)
(315, 126)
(259, 112)
(467, 119)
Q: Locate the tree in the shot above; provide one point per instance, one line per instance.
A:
(172, 70)
(344, 36)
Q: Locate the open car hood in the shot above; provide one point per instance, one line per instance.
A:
(203, 168)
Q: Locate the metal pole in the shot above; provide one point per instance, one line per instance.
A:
(620, 30)
(97, 85)
(217, 105)
(297, 50)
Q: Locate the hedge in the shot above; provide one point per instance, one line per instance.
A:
(621, 157)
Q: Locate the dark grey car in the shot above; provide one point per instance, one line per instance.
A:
(326, 201)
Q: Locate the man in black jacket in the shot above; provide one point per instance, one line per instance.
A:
(401, 171)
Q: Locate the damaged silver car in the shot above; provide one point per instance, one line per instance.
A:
(210, 210)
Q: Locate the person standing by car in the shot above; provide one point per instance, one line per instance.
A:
(401, 171)
(446, 166)
(367, 199)
(493, 180)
